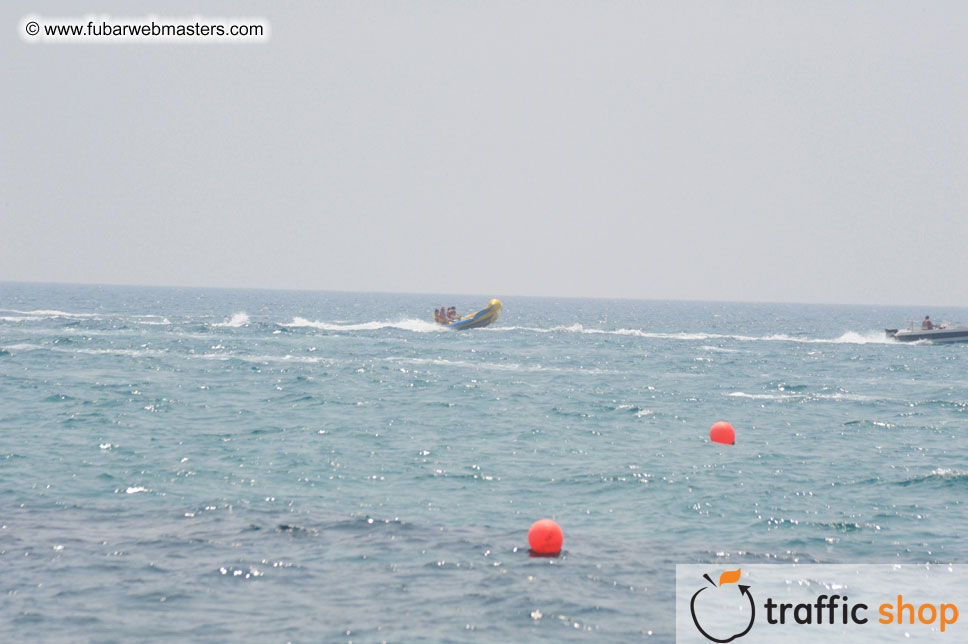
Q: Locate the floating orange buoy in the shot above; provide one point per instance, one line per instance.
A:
(722, 432)
(545, 537)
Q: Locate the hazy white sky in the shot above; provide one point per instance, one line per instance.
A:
(767, 151)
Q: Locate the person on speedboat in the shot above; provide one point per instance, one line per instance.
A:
(452, 314)
(927, 325)
(440, 316)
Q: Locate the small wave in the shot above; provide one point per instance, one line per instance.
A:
(850, 397)
(948, 473)
(496, 366)
(713, 349)
(788, 387)
(131, 353)
(263, 359)
(237, 320)
(409, 324)
(164, 322)
(569, 413)
(23, 347)
(48, 313)
(872, 337)
(638, 412)
(742, 394)
(297, 530)
(869, 423)
(579, 328)
(803, 396)
(942, 475)
(959, 405)
(152, 320)
(443, 362)
(850, 337)
(842, 526)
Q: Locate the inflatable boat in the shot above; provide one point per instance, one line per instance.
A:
(482, 318)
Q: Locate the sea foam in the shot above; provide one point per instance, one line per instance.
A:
(850, 337)
(237, 320)
(409, 324)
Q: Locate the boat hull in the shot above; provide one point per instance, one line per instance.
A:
(945, 335)
(482, 318)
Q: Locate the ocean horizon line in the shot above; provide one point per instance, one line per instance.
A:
(251, 289)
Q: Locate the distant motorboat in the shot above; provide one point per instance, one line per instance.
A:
(936, 335)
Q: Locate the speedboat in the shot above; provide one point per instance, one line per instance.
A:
(937, 334)
(482, 318)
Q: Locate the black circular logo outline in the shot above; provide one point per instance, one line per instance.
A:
(742, 589)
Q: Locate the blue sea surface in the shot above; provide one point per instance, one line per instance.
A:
(214, 465)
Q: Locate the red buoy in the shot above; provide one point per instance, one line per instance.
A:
(545, 537)
(722, 432)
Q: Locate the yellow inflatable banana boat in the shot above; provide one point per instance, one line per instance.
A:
(482, 318)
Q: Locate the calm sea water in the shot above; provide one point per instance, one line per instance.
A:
(225, 465)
